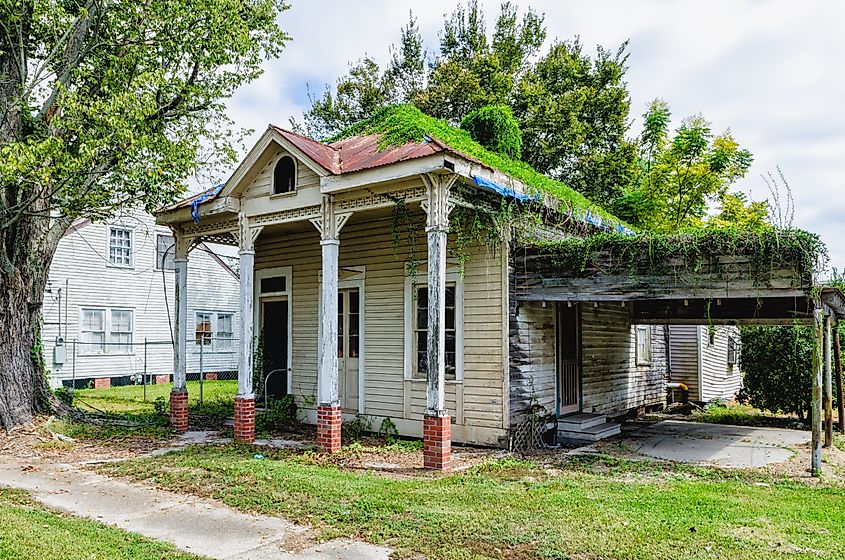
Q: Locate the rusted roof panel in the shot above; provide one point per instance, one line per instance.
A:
(210, 194)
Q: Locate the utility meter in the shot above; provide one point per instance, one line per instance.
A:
(59, 351)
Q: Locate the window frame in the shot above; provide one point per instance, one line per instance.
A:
(215, 346)
(108, 346)
(733, 348)
(295, 187)
(131, 231)
(159, 266)
(410, 364)
(647, 359)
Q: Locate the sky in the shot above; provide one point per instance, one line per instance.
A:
(770, 70)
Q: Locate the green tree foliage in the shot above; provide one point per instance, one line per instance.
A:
(681, 175)
(737, 211)
(495, 128)
(777, 367)
(104, 104)
(573, 112)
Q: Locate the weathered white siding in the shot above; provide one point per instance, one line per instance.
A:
(533, 363)
(476, 403)
(613, 382)
(82, 271)
(684, 357)
(704, 366)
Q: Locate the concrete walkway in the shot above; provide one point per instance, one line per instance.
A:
(195, 525)
(716, 444)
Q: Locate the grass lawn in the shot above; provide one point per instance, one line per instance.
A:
(30, 530)
(585, 508)
(737, 414)
(130, 398)
(128, 416)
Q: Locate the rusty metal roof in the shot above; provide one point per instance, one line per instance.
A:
(349, 155)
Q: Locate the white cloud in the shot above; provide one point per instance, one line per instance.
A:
(769, 70)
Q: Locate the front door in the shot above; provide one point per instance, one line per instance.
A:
(348, 347)
(274, 317)
(568, 360)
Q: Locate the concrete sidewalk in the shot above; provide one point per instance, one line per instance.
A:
(195, 525)
(716, 444)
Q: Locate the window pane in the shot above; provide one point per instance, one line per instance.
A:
(422, 318)
(422, 298)
(422, 352)
(93, 319)
(450, 318)
(203, 329)
(274, 284)
(121, 320)
(353, 345)
(450, 296)
(120, 246)
(353, 301)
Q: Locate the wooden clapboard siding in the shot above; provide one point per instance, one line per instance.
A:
(532, 359)
(718, 379)
(477, 401)
(257, 196)
(684, 352)
(613, 383)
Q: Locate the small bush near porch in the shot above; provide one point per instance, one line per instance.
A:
(580, 507)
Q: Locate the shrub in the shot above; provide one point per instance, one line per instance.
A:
(280, 414)
(495, 128)
(777, 364)
(357, 427)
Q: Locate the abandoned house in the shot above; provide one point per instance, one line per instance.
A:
(417, 276)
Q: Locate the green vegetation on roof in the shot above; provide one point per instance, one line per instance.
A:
(692, 250)
(400, 124)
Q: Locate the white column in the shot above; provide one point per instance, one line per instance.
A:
(329, 225)
(437, 206)
(180, 326)
(816, 414)
(246, 265)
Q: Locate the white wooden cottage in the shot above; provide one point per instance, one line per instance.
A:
(473, 351)
(706, 360)
(107, 308)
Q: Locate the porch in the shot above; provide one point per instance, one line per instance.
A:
(702, 279)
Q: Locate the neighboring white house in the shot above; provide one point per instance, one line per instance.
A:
(107, 301)
(706, 360)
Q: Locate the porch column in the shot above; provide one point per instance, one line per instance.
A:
(437, 425)
(816, 416)
(245, 399)
(329, 410)
(179, 393)
(837, 362)
(827, 399)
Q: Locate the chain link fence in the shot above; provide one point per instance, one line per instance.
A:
(98, 364)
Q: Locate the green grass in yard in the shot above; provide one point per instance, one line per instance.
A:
(736, 414)
(31, 531)
(128, 415)
(130, 398)
(585, 508)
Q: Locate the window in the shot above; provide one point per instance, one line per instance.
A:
(420, 329)
(225, 332)
(165, 252)
(215, 332)
(273, 285)
(643, 344)
(733, 357)
(106, 331)
(93, 331)
(284, 176)
(120, 331)
(120, 246)
(202, 331)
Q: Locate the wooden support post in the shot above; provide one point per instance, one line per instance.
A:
(816, 416)
(329, 410)
(437, 438)
(837, 360)
(179, 393)
(245, 399)
(827, 397)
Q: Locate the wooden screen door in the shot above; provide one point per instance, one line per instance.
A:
(568, 362)
(348, 347)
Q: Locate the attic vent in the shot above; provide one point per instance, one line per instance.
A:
(448, 165)
(284, 176)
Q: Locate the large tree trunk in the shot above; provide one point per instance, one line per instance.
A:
(24, 391)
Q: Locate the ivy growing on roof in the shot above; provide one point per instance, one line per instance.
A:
(691, 251)
(401, 124)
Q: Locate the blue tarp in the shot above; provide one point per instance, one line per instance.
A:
(504, 191)
(200, 199)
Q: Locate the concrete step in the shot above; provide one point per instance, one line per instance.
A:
(580, 421)
(593, 433)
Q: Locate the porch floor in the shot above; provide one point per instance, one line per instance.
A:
(716, 444)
